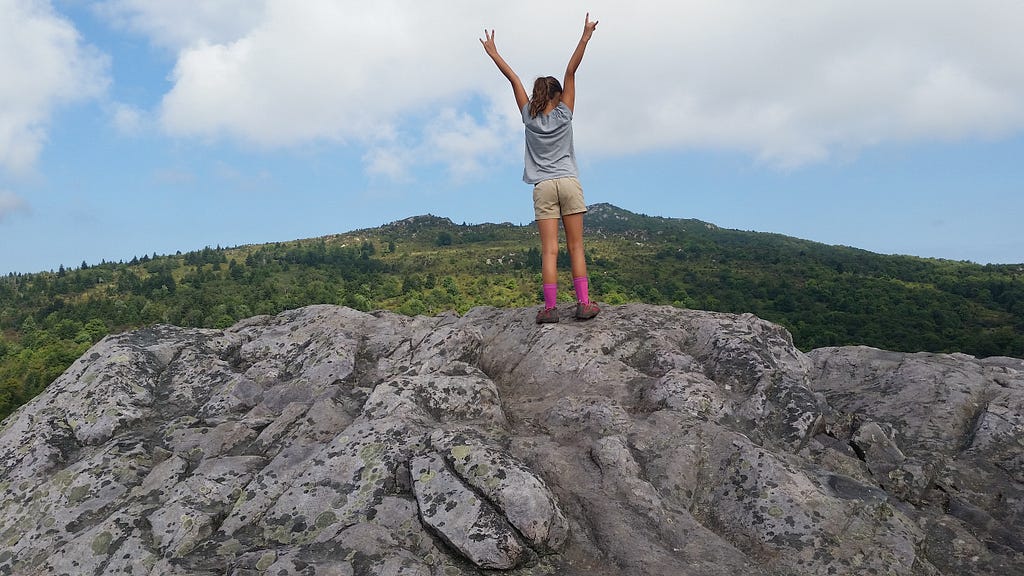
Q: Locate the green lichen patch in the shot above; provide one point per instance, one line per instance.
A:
(101, 544)
(266, 560)
(63, 479)
(325, 519)
(461, 452)
(230, 548)
(371, 452)
(78, 493)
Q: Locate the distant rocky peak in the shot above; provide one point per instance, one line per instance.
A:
(419, 222)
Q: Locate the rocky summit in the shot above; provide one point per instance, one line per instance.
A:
(648, 441)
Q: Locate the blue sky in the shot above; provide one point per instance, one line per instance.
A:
(129, 127)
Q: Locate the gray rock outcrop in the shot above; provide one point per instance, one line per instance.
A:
(648, 441)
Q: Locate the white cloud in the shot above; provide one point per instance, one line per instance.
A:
(796, 82)
(788, 81)
(452, 138)
(459, 141)
(181, 23)
(392, 162)
(44, 64)
(11, 203)
(316, 70)
(127, 119)
(242, 179)
(175, 177)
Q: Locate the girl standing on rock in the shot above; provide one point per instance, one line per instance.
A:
(550, 165)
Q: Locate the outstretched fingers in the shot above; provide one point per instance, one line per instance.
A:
(488, 42)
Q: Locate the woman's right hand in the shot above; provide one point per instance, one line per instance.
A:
(517, 85)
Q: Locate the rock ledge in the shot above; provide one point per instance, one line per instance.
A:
(650, 440)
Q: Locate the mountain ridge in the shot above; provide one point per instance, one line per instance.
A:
(824, 295)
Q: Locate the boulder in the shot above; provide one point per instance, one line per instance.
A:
(650, 440)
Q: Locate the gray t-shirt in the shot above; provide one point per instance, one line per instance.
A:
(549, 150)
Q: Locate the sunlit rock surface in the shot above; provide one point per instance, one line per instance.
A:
(647, 441)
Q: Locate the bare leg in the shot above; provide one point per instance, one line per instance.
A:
(574, 243)
(549, 250)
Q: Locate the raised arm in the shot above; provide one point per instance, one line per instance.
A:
(517, 85)
(569, 83)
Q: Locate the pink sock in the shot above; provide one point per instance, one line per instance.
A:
(582, 286)
(550, 295)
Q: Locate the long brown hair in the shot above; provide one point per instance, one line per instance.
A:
(544, 89)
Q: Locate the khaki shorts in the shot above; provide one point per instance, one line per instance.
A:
(558, 197)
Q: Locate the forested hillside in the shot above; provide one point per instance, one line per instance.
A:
(825, 295)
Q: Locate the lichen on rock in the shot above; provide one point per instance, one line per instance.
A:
(650, 440)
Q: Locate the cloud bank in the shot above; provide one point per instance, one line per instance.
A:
(790, 82)
(44, 64)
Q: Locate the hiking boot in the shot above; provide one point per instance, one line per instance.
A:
(586, 311)
(547, 316)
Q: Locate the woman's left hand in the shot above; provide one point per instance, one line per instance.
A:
(589, 27)
(488, 42)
